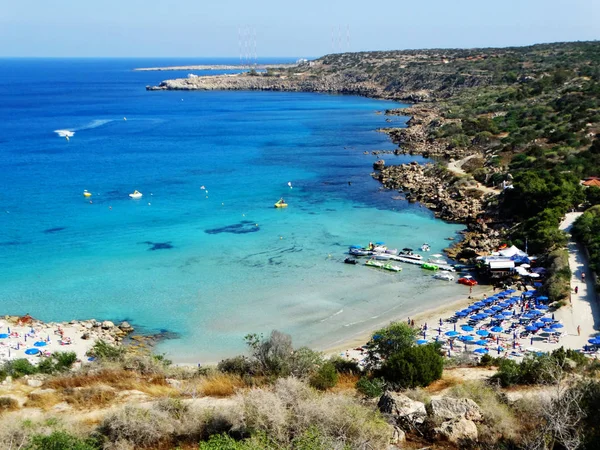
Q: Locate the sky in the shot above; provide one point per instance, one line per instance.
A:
(212, 28)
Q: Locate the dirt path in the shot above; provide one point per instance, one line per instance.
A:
(584, 311)
(456, 167)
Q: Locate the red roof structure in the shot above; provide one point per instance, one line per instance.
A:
(592, 182)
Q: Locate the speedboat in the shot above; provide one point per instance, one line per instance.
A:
(136, 194)
(425, 247)
(86, 193)
(444, 275)
(351, 261)
(408, 253)
(373, 263)
(359, 251)
(382, 256)
(280, 203)
(391, 267)
(437, 261)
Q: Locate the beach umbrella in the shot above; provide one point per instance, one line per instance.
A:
(481, 351)
(467, 338)
(489, 301)
(510, 291)
(537, 284)
(546, 319)
(3, 336)
(547, 330)
(543, 307)
(504, 304)
(542, 298)
(531, 328)
(507, 313)
(422, 341)
(460, 314)
(488, 311)
(484, 315)
(32, 351)
(528, 294)
(496, 308)
(482, 333)
(497, 329)
(451, 333)
(467, 328)
(481, 342)
(479, 304)
(500, 349)
(593, 340)
(499, 317)
(536, 312)
(557, 325)
(528, 316)
(39, 344)
(539, 324)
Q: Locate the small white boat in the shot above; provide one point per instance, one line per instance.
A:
(392, 251)
(437, 261)
(359, 252)
(425, 247)
(382, 256)
(136, 194)
(86, 193)
(443, 275)
(410, 255)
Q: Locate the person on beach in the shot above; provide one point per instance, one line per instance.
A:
(576, 289)
(582, 276)
(578, 330)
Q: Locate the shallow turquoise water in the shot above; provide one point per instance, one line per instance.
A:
(213, 266)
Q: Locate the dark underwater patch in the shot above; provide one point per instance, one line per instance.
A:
(54, 230)
(245, 226)
(158, 245)
(10, 243)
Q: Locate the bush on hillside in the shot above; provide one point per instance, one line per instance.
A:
(325, 377)
(372, 388)
(413, 366)
(60, 440)
(343, 365)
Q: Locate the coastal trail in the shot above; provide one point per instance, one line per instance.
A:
(583, 311)
(456, 167)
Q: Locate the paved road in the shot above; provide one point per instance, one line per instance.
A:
(584, 311)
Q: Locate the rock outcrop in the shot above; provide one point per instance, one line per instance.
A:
(448, 408)
(457, 431)
(400, 407)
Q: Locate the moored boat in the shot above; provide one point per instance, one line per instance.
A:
(425, 247)
(392, 267)
(86, 193)
(136, 194)
(373, 263)
(443, 275)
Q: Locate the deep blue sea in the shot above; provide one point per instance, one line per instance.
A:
(213, 264)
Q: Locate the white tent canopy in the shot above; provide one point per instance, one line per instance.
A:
(512, 251)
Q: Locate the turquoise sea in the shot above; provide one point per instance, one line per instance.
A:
(213, 264)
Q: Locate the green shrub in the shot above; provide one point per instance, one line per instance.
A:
(102, 350)
(343, 365)
(413, 366)
(325, 377)
(371, 388)
(238, 365)
(60, 440)
(20, 367)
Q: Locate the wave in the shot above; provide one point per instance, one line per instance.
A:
(333, 315)
(89, 126)
(65, 133)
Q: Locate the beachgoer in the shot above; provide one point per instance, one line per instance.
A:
(582, 276)
(408, 322)
(576, 289)
(578, 330)
(412, 323)
(470, 289)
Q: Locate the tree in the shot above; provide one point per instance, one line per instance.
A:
(272, 354)
(388, 341)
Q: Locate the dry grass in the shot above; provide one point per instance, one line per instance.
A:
(43, 401)
(8, 404)
(215, 385)
(89, 397)
(443, 384)
(346, 382)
